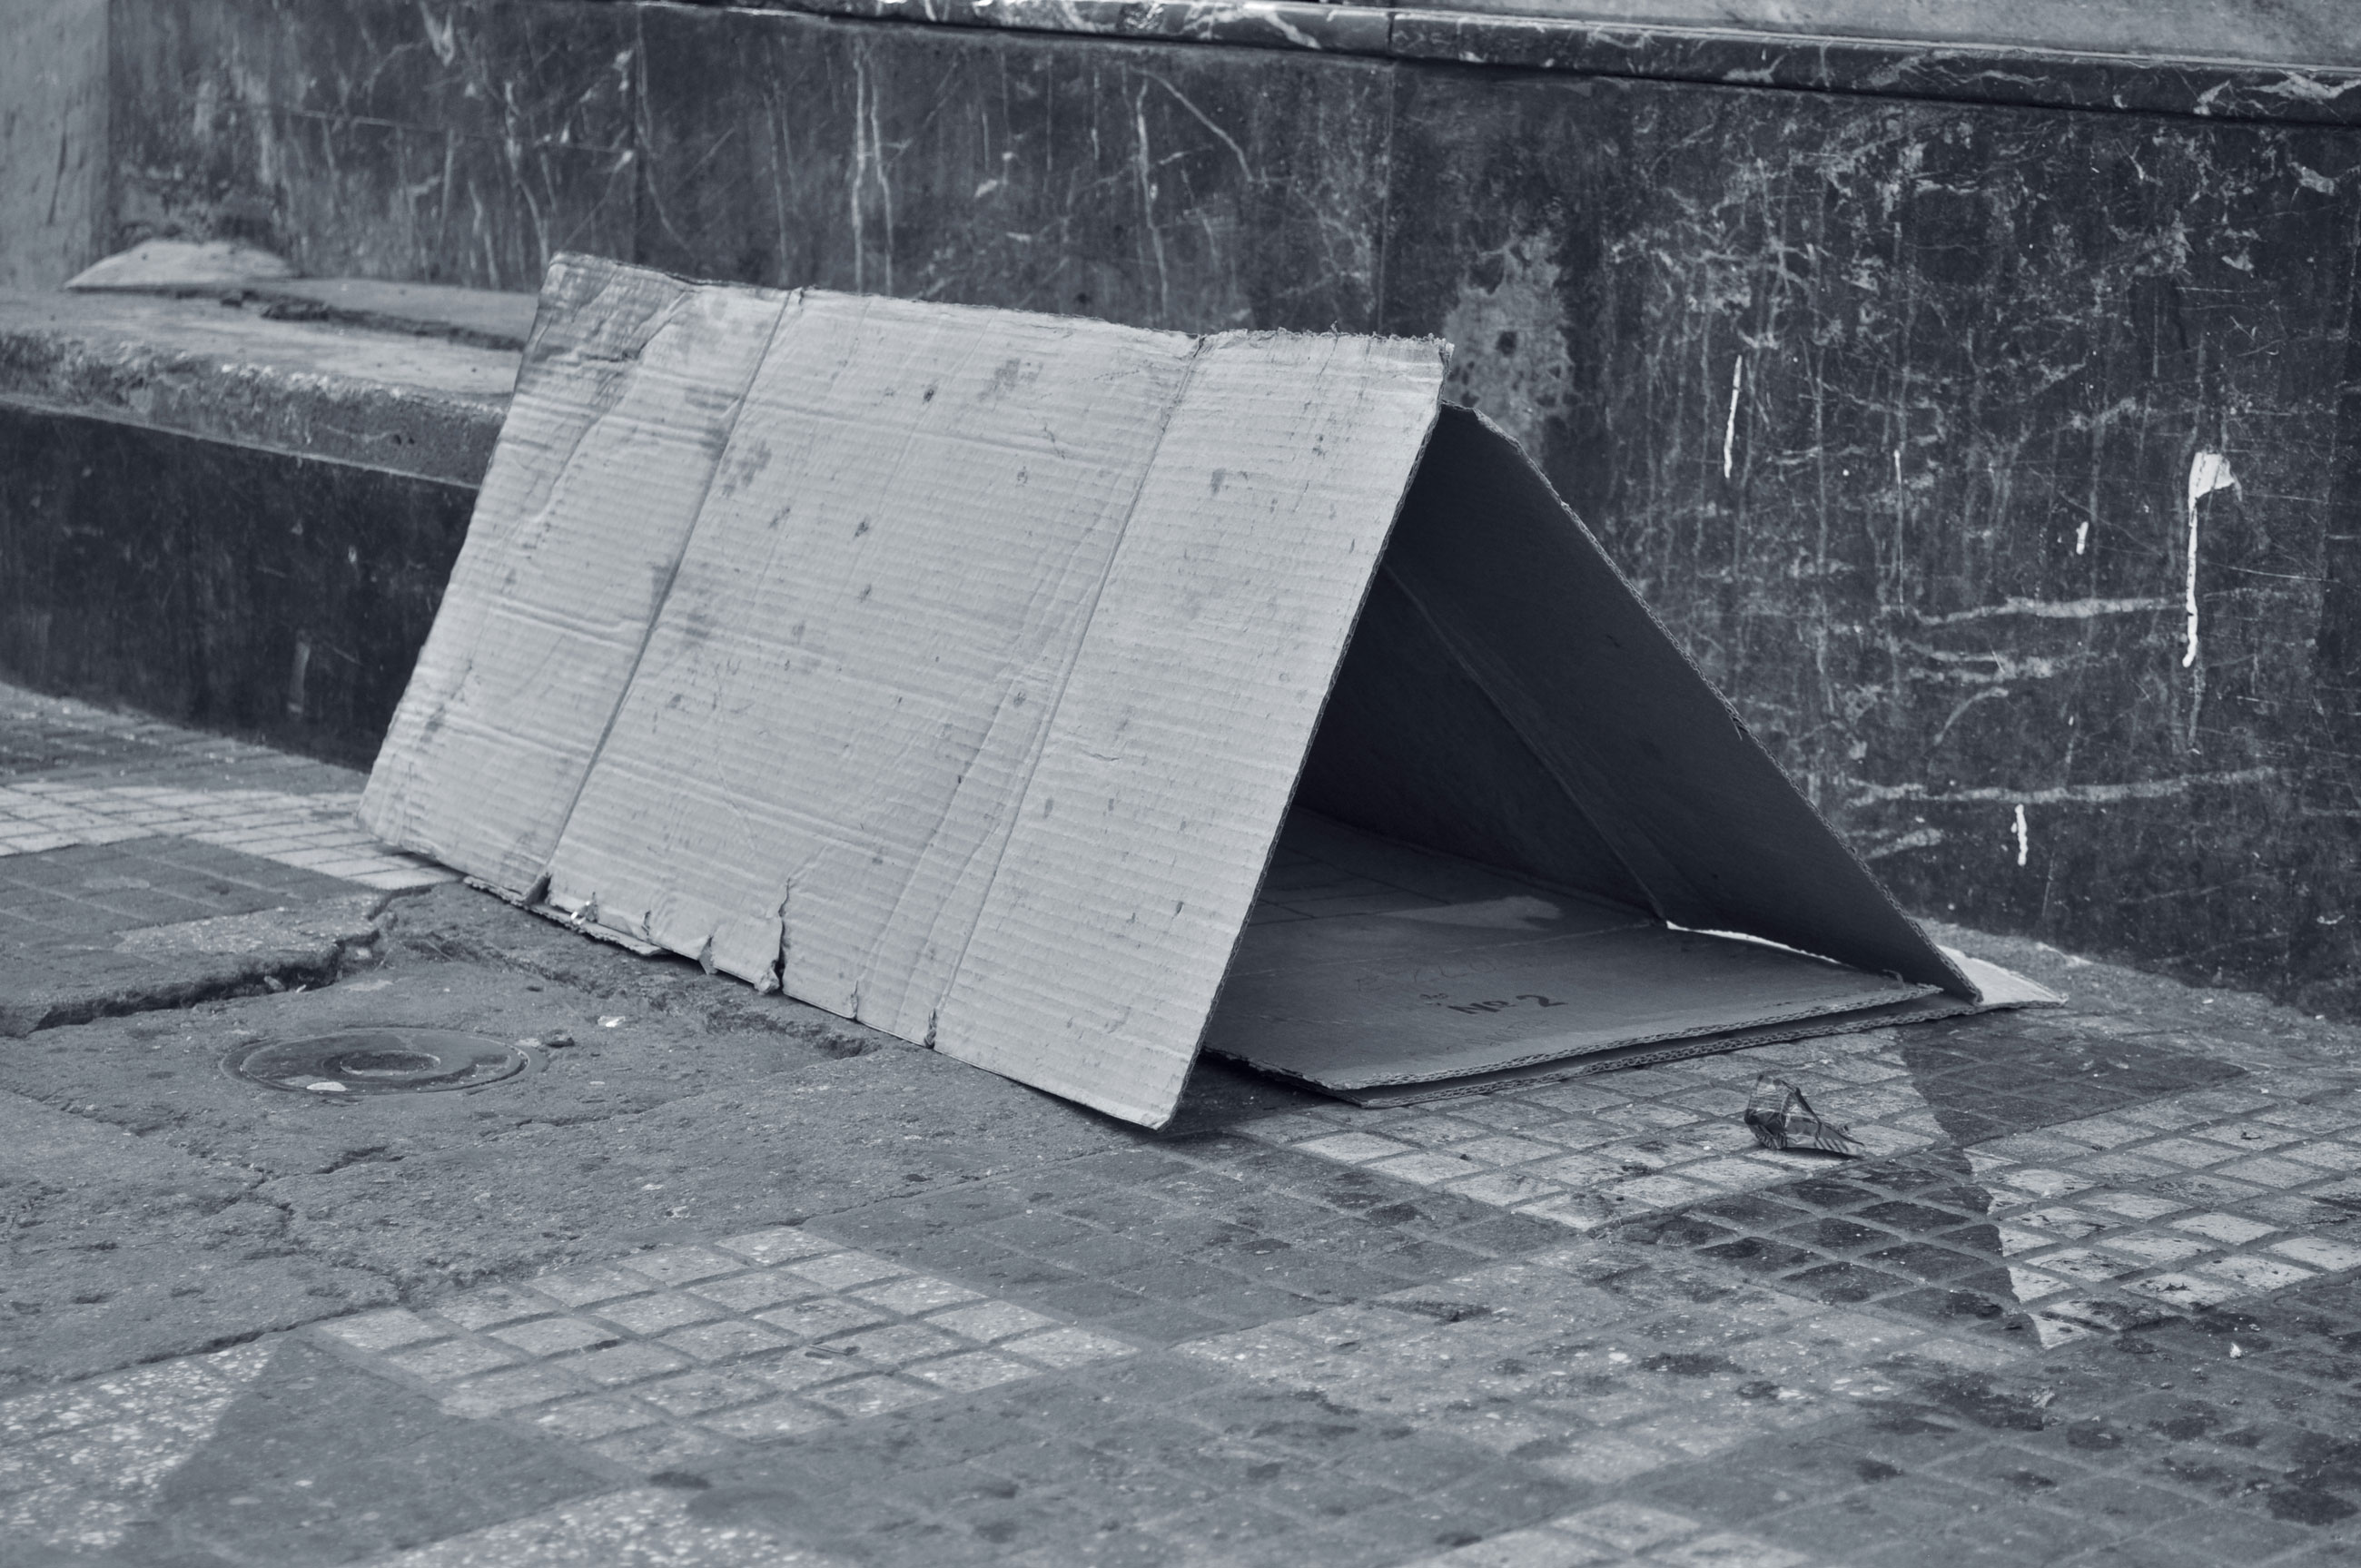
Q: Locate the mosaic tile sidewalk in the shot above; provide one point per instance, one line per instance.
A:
(757, 1336)
(2093, 1299)
(1590, 1151)
(310, 832)
(2192, 1199)
(62, 765)
(779, 1397)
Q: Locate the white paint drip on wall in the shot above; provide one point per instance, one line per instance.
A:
(2023, 840)
(2207, 472)
(1865, 793)
(2050, 610)
(1729, 429)
(2082, 536)
(1917, 838)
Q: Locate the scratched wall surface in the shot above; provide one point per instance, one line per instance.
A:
(1893, 409)
(2319, 32)
(52, 139)
(1172, 187)
(450, 144)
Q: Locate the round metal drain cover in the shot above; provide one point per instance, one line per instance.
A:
(393, 1059)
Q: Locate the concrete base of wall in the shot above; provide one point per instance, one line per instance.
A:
(240, 523)
(237, 589)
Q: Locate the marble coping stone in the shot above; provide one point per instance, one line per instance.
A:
(393, 400)
(1733, 56)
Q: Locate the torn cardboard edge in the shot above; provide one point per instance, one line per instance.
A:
(956, 670)
(533, 903)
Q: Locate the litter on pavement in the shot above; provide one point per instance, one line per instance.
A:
(1781, 1118)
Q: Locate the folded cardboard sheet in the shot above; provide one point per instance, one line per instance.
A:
(957, 670)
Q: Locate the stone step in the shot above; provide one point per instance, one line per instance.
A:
(242, 277)
(236, 520)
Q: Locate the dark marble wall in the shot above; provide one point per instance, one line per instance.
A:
(1162, 185)
(1892, 407)
(452, 143)
(2317, 32)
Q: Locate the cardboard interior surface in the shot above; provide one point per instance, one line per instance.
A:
(1925, 1010)
(1371, 965)
(955, 670)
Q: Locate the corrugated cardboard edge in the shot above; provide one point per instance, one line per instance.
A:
(1998, 987)
(1823, 1018)
(1924, 1011)
(555, 915)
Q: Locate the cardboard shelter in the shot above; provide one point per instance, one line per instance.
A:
(1065, 696)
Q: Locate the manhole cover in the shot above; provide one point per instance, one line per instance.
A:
(386, 1059)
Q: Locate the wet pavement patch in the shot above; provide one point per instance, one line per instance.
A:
(378, 1059)
(1987, 1078)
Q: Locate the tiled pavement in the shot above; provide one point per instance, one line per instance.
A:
(2092, 1299)
(2194, 1199)
(1218, 1351)
(1590, 1151)
(72, 774)
(86, 894)
(308, 832)
(652, 1360)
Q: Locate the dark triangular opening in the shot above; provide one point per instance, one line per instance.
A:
(1528, 830)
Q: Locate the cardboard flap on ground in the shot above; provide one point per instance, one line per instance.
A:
(958, 670)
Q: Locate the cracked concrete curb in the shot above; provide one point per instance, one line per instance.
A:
(194, 960)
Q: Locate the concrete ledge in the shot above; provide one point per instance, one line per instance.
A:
(240, 276)
(393, 400)
(1736, 55)
(239, 523)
